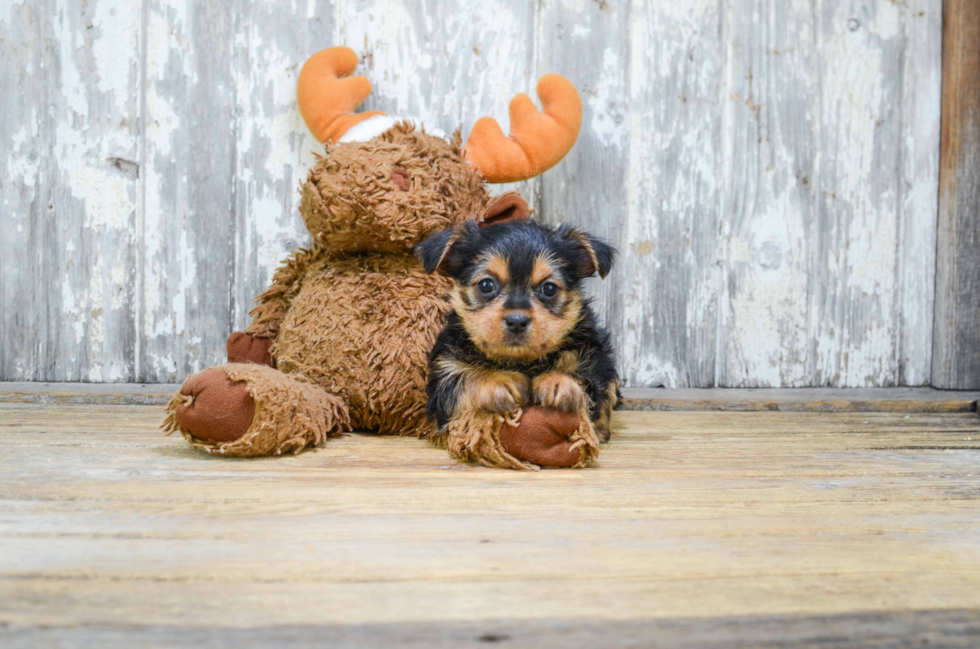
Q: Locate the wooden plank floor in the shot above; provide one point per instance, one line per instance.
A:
(696, 529)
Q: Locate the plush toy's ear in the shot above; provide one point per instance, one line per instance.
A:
(510, 206)
(592, 255)
(443, 251)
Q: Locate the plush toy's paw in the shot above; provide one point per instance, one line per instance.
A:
(527, 439)
(216, 408)
(498, 392)
(245, 409)
(542, 438)
(558, 391)
(246, 348)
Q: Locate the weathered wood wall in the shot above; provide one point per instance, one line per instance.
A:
(956, 349)
(768, 169)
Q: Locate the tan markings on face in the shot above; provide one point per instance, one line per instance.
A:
(549, 330)
(498, 266)
(462, 298)
(485, 326)
(542, 270)
(603, 423)
(557, 390)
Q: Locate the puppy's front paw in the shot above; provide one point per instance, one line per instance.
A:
(499, 392)
(559, 391)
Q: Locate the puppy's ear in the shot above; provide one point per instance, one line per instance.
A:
(591, 254)
(444, 251)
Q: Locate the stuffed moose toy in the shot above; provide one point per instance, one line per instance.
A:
(341, 338)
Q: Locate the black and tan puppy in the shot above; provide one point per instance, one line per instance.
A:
(521, 331)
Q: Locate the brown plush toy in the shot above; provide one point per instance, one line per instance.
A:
(341, 338)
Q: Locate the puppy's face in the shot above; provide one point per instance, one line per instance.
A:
(517, 284)
(517, 302)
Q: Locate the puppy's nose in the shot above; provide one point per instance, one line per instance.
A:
(517, 322)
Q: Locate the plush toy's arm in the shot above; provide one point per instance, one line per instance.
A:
(273, 304)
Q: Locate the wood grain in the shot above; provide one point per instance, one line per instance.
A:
(956, 361)
(823, 256)
(69, 180)
(691, 519)
(767, 166)
(773, 201)
(801, 399)
(668, 325)
(693, 399)
(854, 246)
(943, 629)
(918, 192)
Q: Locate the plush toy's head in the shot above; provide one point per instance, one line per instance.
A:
(389, 192)
(384, 185)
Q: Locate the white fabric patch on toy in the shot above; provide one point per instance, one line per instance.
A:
(375, 126)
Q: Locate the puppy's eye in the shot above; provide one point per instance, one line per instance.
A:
(549, 289)
(486, 286)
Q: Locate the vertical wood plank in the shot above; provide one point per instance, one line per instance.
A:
(956, 346)
(273, 148)
(188, 229)
(670, 239)
(853, 241)
(918, 189)
(24, 186)
(444, 63)
(70, 87)
(827, 208)
(854, 303)
(585, 42)
(767, 197)
(853, 267)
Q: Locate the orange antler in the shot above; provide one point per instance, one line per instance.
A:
(538, 141)
(327, 101)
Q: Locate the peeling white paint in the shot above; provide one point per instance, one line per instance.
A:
(608, 103)
(23, 162)
(768, 171)
(113, 49)
(7, 10)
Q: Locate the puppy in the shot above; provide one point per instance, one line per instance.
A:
(520, 332)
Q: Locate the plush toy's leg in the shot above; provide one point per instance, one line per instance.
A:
(250, 409)
(536, 437)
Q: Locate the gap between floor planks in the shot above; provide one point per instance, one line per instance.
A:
(686, 399)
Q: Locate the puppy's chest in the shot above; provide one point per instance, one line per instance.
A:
(563, 361)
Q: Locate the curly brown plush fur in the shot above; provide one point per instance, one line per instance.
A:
(352, 202)
(272, 305)
(361, 327)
